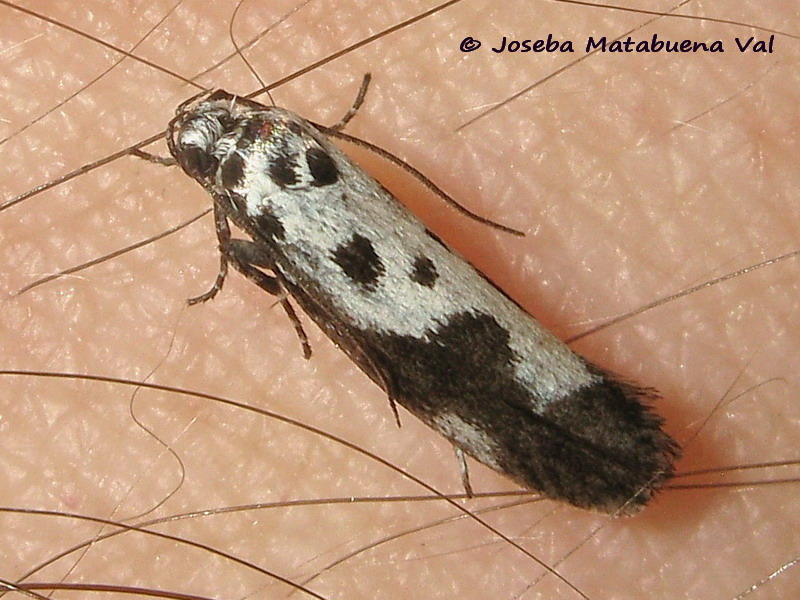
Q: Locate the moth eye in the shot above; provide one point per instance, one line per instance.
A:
(197, 138)
(197, 162)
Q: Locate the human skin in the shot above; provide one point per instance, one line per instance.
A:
(633, 175)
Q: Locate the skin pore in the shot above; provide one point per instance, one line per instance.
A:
(633, 175)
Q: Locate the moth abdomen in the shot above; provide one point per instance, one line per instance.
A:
(598, 445)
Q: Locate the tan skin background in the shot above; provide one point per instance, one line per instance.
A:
(633, 176)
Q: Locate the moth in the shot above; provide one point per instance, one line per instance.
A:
(427, 327)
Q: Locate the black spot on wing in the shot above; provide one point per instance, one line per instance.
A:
(359, 261)
(294, 127)
(424, 271)
(283, 171)
(264, 225)
(232, 171)
(468, 356)
(598, 447)
(321, 166)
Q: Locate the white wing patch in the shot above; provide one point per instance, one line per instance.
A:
(322, 219)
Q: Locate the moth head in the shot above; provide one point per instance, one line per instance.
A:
(199, 127)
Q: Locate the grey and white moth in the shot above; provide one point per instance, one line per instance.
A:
(440, 338)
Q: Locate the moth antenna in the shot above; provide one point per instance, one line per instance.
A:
(396, 160)
(238, 49)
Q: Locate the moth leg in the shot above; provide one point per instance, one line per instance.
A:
(249, 258)
(298, 327)
(393, 404)
(224, 239)
(362, 92)
(462, 464)
(154, 158)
